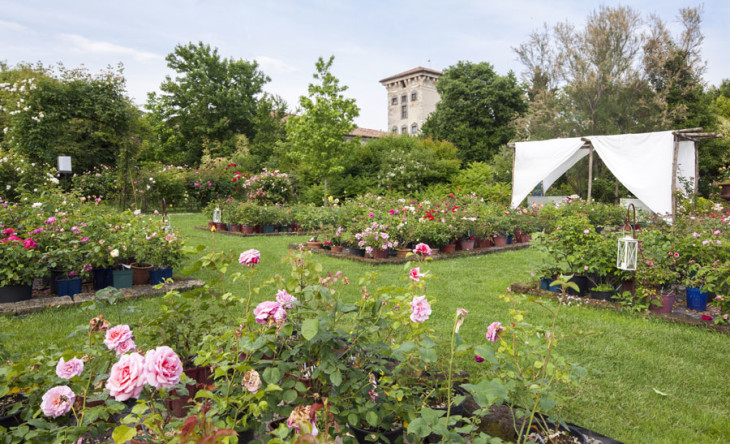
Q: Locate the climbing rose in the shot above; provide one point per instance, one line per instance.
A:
(478, 358)
(420, 309)
(58, 401)
(493, 331)
(285, 299)
(422, 249)
(416, 274)
(162, 367)
(117, 335)
(249, 258)
(268, 311)
(127, 377)
(67, 370)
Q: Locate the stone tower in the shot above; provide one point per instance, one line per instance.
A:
(412, 97)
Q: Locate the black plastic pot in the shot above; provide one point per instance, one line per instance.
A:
(355, 251)
(15, 293)
(390, 436)
(103, 278)
(583, 285)
(458, 409)
(571, 431)
(602, 295)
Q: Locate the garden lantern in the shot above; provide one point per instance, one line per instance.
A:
(217, 215)
(628, 246)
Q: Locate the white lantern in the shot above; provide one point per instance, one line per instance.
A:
(628, 248)
(217, 215)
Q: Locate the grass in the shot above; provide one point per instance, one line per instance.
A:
(630, 357)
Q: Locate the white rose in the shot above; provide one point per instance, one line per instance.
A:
(114, 253)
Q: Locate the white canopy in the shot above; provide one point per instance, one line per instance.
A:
(643, 163)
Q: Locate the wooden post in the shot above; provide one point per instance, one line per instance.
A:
(697, 174)
(590, 173)
(674, 176)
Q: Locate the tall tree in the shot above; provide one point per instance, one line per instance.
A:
(476, 108)
(317, 135)
(209, 102)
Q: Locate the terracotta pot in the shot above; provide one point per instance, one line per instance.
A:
(525, 238)
(380, 254)
(141, 273)
(485, 242)
(179, 404)
(249, 229)
(314, 245)
(402, 252)
(448, 248)
(211, 224)
(725, 191)
(665, 299)
(236, 228)
(466, 244)
(500, 241)
(220, 226)
(337, 248)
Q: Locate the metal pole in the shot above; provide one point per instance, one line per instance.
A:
(590, 173)
(674, 176)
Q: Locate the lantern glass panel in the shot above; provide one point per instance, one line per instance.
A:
(627, 253)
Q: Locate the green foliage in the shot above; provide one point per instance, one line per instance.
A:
(209, 102)
(476, 109)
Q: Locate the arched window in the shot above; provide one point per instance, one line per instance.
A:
(404, 130)
(414, 129)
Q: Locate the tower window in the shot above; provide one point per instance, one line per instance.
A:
(395, 130)
(404, 130)
(403, 98)
(414, 129)
(394, 101)
(414, 95)
(404, 111)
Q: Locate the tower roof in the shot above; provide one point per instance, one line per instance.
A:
(411, 72)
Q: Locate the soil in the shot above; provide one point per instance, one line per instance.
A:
(499, 424)
(7, 402)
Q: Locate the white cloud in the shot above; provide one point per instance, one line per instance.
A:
(274, 65)
(99, 47)
(14, 27)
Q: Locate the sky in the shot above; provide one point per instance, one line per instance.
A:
(370, 40)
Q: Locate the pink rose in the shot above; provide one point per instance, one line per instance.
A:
(285, 299)
(269, 311)
(57, 401)
(126, 347)
(116, 335)
(127, 377)
(249, 258)
(67, 370)
(29, 244)
(493, 331)
(422, 249)
(420, 309)
(478, 358)
(162, 367)
(586, 231)
(415, 274)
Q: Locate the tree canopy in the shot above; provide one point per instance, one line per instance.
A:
(209, 103)
(476, 109)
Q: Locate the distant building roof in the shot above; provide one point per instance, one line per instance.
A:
(411, 72)
(367, 132)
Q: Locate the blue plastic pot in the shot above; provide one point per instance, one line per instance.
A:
(122, 278)
(696, 299)
(160, 275)
(509, 239)
(269, 228)
(68, 287)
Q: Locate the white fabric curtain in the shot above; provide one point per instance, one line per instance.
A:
(643, 164)
(686, 164)
(541, 160)
(568, 164)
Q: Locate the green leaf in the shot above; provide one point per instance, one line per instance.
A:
(123, 433)
(310, 327)
(353, 420)
(290, 396)
(372, 418)
(419, 428)
(336, 378)
(428, 354)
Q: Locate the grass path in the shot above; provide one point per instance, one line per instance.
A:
(628, 355)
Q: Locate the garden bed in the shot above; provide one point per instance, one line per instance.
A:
(42, 300)
(242, 234)
(403, 260)
(680, 313)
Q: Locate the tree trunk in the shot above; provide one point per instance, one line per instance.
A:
(325, 190)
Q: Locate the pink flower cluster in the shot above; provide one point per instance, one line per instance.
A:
(120, 339)
(69, 369)
(415, 274)
(422, 249)
(493, 331)
(286, 300)
(249, 258)
(270, 312)
(160, 368)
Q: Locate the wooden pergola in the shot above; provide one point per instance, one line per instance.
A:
(688, 134)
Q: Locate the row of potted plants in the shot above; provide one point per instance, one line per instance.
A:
(302, 366)
(690, 255)
(71, 239)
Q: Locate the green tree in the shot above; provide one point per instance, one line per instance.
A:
(69, 112)
(317, 135)
(209, 102)
(476, 109)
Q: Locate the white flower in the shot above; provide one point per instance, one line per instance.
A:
(114, 253)
(137, 212)
(37, 205)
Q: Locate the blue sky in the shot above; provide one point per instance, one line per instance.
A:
(370, 40)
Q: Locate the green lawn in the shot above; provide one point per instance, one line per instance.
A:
(629, 355)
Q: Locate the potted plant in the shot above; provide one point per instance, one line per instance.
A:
(250, 217)
(19, 264)
(376, 241)
(656, 271)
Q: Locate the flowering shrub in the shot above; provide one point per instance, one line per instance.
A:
(268, 187)
(19, 174)
(375, 237)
